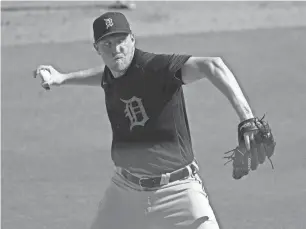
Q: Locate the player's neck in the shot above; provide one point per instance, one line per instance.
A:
(121, 73)
(118, 74)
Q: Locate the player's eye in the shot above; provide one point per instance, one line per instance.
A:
(121, 40)
(107, 44)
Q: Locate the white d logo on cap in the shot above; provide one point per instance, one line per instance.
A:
(108, 22)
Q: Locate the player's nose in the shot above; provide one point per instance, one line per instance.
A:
(116, 48)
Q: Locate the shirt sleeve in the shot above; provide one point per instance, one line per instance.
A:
(174, 66)
(166, 68)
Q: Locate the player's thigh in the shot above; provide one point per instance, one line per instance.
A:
(201, 213)
(118, 209)
(184, 205)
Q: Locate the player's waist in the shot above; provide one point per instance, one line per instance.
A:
(158, 181)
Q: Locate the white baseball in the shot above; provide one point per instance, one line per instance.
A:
(46, 75)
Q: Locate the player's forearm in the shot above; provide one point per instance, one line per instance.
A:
(91, 77)
(225, 81)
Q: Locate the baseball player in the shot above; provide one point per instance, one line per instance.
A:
(156, 182)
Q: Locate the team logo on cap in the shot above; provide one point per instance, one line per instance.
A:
(108, 22)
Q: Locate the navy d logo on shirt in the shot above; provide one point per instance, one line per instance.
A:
(135, 111)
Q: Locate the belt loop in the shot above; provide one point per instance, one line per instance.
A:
(165, 178)
(195, 165)
(189, 170)
(193, 168)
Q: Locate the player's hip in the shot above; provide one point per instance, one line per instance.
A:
(185, 175)
(183, 202)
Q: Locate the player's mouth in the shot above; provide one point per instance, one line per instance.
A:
(118, 57)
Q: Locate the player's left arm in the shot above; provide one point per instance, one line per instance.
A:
(214, 69)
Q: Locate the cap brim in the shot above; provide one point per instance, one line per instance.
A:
(111, 33)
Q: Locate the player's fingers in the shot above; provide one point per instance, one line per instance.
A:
(247, 162)
(251, 134)
(46, 86)
(39, 68)
(247, 141)
(254, 158)
(253, 151)
(44, 67)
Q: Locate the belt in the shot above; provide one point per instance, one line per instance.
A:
(158, 181)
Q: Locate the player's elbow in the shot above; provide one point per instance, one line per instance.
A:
(217, 60)
(209, 66)
(216, 67)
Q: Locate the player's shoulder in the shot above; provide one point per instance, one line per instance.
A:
(156, 62)
(149, 60)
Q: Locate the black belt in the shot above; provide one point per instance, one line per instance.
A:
(153, 182)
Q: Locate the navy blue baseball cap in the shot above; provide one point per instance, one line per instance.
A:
(110, 23)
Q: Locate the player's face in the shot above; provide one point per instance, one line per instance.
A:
(116, 51)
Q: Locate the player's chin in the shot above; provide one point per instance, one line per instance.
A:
(119, 66)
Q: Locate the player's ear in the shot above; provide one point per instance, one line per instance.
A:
(132, 37)
(96, 47)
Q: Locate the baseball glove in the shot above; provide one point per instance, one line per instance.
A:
(261, 147)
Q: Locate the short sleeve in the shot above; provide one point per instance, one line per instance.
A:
(166, 68)
(175, 64)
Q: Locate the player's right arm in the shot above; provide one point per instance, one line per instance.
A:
(88, 77)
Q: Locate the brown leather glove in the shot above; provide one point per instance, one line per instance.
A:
(261, 147)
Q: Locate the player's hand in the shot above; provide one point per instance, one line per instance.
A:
(49, 76)
(248, 139)
(255, 144)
